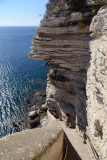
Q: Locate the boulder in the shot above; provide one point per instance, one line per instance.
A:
(34, 122)
(33, 114)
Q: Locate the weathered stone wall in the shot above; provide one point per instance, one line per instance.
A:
(63, 40)
(97, 84)
(35, 144)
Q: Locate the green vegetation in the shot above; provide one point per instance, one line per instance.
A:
(53, 12)
(82, 25)
(59, 3)
(33, 38)
(43, 115)
(105, 1)
(45, 57)
(93, 10)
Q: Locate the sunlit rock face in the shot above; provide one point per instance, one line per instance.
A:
(97, 83)
(63, 40)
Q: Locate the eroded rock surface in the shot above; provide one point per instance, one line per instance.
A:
(63, 40)
(97, 83)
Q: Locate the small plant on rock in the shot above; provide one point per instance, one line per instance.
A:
(82, 25)
(33, 38)
(105, 1)
(53, 12)
(93, 10)
(59, 3)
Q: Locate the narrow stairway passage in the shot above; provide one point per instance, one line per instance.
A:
(76, 140)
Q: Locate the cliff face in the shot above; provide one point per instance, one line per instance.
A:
(97, 83)
(63, 40)
(77, 63)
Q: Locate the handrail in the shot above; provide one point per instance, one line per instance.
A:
(66, 149)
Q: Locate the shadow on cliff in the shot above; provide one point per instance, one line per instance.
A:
(70, 152)
(79, 116)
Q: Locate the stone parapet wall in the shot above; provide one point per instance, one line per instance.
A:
(35, 144)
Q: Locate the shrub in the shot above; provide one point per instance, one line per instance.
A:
(53, 12)
(105, 1)
(33, 38)
(82, 25)
(59, 3)
(93, 10)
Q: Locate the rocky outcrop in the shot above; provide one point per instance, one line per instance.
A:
(97, 84)
(36, 116)
(63, 40)
(33, 119)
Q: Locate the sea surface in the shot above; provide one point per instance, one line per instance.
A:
(21, 78)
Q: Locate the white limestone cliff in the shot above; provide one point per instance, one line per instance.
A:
(63, 39)
(97, 83)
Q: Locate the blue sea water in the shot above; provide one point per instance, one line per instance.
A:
(20, 76)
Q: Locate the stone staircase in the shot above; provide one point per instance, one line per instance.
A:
(80, 148)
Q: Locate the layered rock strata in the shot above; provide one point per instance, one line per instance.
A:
(97, 84)
(63, 40)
